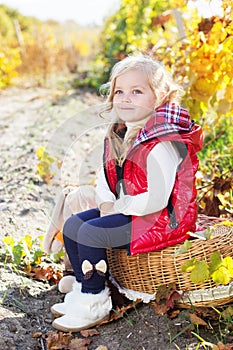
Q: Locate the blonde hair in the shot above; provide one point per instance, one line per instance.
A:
(160, 81)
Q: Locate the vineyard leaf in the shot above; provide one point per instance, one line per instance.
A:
(205, 234)
(226, 223)
(215, 261)
(224, 271)
(183, 248)
(221, 276)
(200, 273)
(189, 265)
(228, 263)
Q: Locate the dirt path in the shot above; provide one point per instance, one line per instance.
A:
(28, 119)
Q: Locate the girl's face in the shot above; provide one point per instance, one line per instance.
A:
(133, 98)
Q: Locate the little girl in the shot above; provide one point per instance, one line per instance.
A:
(146, 192)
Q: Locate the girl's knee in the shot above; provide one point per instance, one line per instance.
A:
(68, 223)
(71, 226)
(83, 233)
(91, 236)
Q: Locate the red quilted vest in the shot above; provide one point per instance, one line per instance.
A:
(170, 225)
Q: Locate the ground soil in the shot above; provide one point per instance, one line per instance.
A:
(28, 118)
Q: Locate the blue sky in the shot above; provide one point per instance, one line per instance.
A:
(86, 12)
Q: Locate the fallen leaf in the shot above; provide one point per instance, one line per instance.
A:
(102, 347)
(79, 344)
(173, 313)
(47, 274)
(165, 299)
(173, 297)
(206, 312)
(222, 346)
(164, 292)
(89, 332)
(214, 347)
(121, 304)
(37, 334)
(198, 321)
(160, 309)
(228, 312)
(229, 347)
(57, 340)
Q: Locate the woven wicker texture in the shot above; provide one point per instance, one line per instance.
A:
(145, 272)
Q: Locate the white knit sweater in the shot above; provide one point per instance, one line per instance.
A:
(162, 164)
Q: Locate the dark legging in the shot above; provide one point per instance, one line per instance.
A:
(87, 235)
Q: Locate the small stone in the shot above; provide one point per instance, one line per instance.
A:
(48, 320)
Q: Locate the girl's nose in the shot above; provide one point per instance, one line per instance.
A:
(126, 98)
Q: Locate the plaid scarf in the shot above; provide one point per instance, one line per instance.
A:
(169, 118)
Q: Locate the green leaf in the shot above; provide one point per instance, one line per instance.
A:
(189, 265)
(215, 262)
(37, 256)
(200, 273)
(17, 254)
(184, 247)
(205, 234)
(165, 292)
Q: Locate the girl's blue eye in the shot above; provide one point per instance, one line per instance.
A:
(136, 92)
(117, 92)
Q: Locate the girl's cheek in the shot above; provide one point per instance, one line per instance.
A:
(116, 98)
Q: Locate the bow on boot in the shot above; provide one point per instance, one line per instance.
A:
(88, 268)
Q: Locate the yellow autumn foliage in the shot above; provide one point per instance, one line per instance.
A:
(9, 62)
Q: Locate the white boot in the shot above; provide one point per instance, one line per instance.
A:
(86, 311)
(70, 298)
(66, 283)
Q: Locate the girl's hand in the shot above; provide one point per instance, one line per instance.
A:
(107, 208)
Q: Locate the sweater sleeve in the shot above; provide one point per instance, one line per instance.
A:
(162, 164)
(103, 192)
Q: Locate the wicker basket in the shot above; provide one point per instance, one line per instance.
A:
(145, 272)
